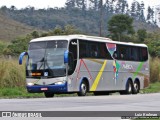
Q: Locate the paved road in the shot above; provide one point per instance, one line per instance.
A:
(140, 102)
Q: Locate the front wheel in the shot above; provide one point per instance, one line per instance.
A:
(83, 89)
(48, 94)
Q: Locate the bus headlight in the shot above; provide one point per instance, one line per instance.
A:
(59, 83)
(30, 84)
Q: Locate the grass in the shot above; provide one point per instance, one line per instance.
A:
(18, 92)
(11, 74)
(153, 88)
(154, 70)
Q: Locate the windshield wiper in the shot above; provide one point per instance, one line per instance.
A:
(42, 60)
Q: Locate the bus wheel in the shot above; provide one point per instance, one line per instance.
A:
(136, 87)
(129, 88)
(48, 94)
(83, 89)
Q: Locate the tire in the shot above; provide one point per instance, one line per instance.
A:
(136, 87)
(129, 88)
(48, 94)
(83, 89)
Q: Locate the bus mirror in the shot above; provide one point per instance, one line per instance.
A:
(66, 54)
(21, 57)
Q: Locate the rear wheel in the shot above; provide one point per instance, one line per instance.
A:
(48, 94)
(136, 87)
(83, 89)
(129, 88)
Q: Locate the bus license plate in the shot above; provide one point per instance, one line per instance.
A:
(44, 89)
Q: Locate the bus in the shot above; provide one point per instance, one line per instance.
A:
(81, 64)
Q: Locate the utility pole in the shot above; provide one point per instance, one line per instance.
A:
(101, 18)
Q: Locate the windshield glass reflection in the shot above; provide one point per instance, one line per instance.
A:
(48, 57)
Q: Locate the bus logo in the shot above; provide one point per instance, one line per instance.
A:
(128, 67)
(45, 73)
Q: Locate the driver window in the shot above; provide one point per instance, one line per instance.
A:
(73, 55)
(73, 48)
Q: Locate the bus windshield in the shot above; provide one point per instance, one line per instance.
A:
(47, 57)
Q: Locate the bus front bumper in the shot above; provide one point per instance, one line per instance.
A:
(47, 88)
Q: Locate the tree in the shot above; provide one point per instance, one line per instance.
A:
(70, 29)
(70, 4)
(95, 4)
(35, 34)
(142, 18)
(121, 6)
(150, 15)
(13, 8)
(158, 12)
(17, 46)
(133, 9)
(142, 34)
(4, 9)
(119, 25)
(58, 30)
(81, 4)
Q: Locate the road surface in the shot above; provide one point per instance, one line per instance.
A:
(140, 102)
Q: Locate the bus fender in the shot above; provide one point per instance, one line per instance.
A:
(83, 79)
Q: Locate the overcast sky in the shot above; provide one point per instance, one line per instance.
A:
(55, 3)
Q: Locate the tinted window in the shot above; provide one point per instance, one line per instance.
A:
(73, 48)
(57, 44)
(97, 50)
(94, 50)
(82, 49)
(131, 53)
(104, 52)
(144, 54)
(37, 45)
(72, 56)
(122, 52)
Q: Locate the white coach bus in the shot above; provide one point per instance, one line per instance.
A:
(81, 64)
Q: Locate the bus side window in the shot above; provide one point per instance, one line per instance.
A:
(104, 53)
(82, 49)
(122, 52)
(144, 54)
(133, 55)
(93, 50)
(115, 56)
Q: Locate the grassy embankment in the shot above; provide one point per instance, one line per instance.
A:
(154, 77)
(12, 79)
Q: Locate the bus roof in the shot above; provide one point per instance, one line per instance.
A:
(84, 37)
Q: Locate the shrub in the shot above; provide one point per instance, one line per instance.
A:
(154, 69)
(12, 74)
